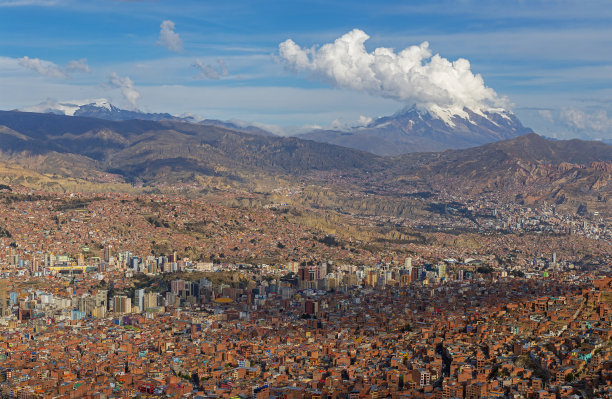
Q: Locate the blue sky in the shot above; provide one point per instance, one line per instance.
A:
(551, 59)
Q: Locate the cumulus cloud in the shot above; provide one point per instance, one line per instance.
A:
(208, 72)
(412, 75)
(126, 86)
(169, 38)
(48, 68)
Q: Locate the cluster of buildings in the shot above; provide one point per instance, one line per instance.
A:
(305, 330)
(105, 297)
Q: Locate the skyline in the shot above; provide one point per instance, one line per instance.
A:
(549, 59)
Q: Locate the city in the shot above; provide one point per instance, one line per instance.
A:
(306, 199)
(122, 319)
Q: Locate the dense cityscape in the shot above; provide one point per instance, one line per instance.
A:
(306, 199)
(92, 307)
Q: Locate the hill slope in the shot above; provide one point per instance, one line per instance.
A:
(153, 150)
(526, 169)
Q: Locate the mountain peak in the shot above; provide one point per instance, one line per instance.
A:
(418, 129)
(448, 115)
(68, 108)
(96, 108)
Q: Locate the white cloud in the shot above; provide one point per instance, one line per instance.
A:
(590, 122)
(363, 120)
(45, 68)
(78, 66)
(339, 124)
(546, 114)
(169, 38)
(597, 121)
(208, 72)
(126, 86)
(412, 75)
(48, 68)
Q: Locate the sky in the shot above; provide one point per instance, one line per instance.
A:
(293, 65)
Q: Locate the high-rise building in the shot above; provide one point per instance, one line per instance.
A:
(323, 270)
(87, 305)
(176, 286)
(460, 274)
(102, 298)
(107, 253)
(35, 264)
(150, 300)
(122, 304)
(418, 274)
(442, 270)
(139, 299)
(3, 297)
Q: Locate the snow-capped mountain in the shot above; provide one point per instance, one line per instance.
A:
(101, 108)
(416, 130)
(67, 107)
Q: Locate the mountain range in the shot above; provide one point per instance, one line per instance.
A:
(170, 152)
(410, 130)
(156, 151)
(101, 108)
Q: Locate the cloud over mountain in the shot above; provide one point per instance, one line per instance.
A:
(126, 86)
(412, 75)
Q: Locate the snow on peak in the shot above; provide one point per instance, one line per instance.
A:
(67, 107)
(448, 114)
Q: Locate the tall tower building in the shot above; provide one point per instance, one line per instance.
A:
(442, 270)
(107, 253)
(139, 299)
(102, 298)
(3, 297)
